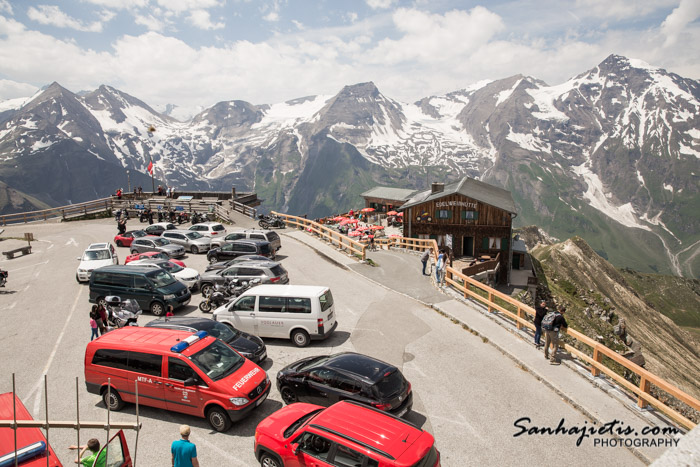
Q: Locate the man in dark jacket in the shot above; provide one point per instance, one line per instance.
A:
(540, 311)
(551, 337)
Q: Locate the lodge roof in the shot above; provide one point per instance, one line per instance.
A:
(385, 192)
(470, 188)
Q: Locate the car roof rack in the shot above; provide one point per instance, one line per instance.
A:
(351, 439)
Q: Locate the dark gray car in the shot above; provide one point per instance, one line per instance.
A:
(240, 259)
(144, 244)
(193, 242)
(269, 272)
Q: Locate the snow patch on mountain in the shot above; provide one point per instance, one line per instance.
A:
(505, 94)
(598, 199)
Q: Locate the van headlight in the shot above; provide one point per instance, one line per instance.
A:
(239, 401)
(170, 296)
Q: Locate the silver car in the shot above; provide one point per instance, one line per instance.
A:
(194, 242)
(269, 272)
(144, 244)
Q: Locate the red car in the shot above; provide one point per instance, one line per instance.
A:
(128, 237)
(153, 255)
(346, 433)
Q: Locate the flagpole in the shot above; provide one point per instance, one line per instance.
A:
(151, 130)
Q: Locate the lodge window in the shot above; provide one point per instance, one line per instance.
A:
(444, 214)
(470, 215)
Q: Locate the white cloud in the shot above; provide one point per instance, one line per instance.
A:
(436, 38)
(272, 16)
(150, 22)
(352, 16)
(119, 4)
(51, 14)
(202, 20)
(687, 12)
(380, 4)
(5, 6)
(11, 89)
(299, 25)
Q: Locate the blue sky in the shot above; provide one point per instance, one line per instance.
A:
(194, 53)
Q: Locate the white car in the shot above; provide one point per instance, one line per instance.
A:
(96, 256)
(188, 276)
(210, 229)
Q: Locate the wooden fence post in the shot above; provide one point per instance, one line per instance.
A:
(490, 301)
(598, 357)
(644, 386)
(519, 325)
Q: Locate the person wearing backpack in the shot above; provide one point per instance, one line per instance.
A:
(540, 312)
(551, 324)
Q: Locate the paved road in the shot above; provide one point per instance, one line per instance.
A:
(466, 392)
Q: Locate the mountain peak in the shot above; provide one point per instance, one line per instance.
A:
(368, 89)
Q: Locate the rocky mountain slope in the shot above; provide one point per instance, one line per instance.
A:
(611, 155)
(603, 305)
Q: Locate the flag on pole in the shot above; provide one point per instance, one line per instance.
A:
(150, 167)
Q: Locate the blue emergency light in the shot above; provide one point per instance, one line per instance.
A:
(182, 345)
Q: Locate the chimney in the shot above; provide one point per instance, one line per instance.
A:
(437, 188)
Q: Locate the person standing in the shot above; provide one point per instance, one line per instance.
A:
(424, 258)
(439, 265)
(184, 451)
(93, 324)
(540, 311)
(551, 336)
(102, 320)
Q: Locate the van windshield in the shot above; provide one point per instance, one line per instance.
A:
(218, 360)
(326, 300)
(161, 278)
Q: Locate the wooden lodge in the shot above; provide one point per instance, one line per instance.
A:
(472, 218)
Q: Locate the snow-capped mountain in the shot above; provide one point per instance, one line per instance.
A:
(611, 155)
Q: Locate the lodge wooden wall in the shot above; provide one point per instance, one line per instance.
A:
(487, 215)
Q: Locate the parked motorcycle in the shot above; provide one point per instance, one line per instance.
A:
(120, 314)
(222, 294)
(183, 217)
(197, 218)
(144, 215)
(267, 222)
(3, 277)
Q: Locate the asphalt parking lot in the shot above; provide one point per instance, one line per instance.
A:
(465, 392)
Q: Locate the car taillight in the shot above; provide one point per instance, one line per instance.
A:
(275, 279)
(382, 406)
(320, 322)
(409, 388)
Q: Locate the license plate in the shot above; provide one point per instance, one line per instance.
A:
(402, 413)
(261, 400)
(263, 356)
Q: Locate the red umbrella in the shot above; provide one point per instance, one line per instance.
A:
(400, 214)
(391, 213)
(338, 218)
(377, 227)
(395, 235)
(348, 221)
(354, 233)
(367, 210)
(362, 228)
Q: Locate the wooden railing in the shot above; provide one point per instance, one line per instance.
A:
(467, 286)
(65, 212)
(330, 235)
(246, 210)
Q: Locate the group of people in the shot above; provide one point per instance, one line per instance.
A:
(183, 452)
(440, 265)
(168, 192)
(98, 321)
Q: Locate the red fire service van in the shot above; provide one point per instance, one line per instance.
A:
(344, 434)
(192, 373)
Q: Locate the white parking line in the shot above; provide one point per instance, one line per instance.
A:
(12, 305)
(72, 242)
(37, 400)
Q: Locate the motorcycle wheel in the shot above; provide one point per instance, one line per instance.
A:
(264, 225)
(205, 306)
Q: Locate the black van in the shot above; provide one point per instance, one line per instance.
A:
(152, 288)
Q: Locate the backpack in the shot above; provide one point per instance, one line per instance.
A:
(548, 321)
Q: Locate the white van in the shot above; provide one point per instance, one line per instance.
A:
(298, 312)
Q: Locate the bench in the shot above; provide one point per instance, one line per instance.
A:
(25, 250)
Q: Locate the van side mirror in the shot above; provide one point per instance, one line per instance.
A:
(78, 258)
(191, 381)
